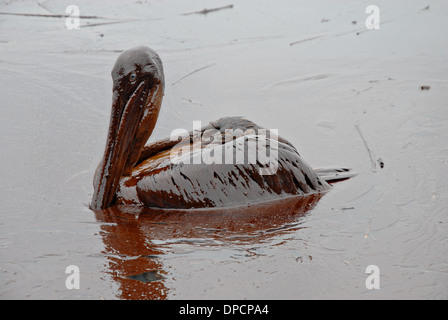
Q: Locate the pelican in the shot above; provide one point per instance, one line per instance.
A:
(159, 175)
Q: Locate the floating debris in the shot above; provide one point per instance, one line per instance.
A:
(380, 162)
(425, 87)
(149, 276)
(197, 70)
(302, 259)
(367, 147)
(206, 11)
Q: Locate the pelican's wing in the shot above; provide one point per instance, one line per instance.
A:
(235, 124)
(197, 178)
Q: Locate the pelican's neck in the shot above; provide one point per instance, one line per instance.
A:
(126, 139)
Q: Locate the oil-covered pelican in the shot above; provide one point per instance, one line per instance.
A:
(132, 173)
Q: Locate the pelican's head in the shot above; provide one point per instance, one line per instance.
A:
(138, 85)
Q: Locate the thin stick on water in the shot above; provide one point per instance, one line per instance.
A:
(52, 15)
(205, 11)
(367, 147)
(197, 70)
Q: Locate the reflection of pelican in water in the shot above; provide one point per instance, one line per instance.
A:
(130, 173)
(137, 238)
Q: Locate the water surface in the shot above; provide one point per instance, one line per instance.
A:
(342, 94)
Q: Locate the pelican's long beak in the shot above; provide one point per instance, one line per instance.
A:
(131, 124)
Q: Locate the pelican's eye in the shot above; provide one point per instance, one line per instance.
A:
(133, 77)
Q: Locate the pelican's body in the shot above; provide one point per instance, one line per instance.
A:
(132, 173)
(157, 181)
